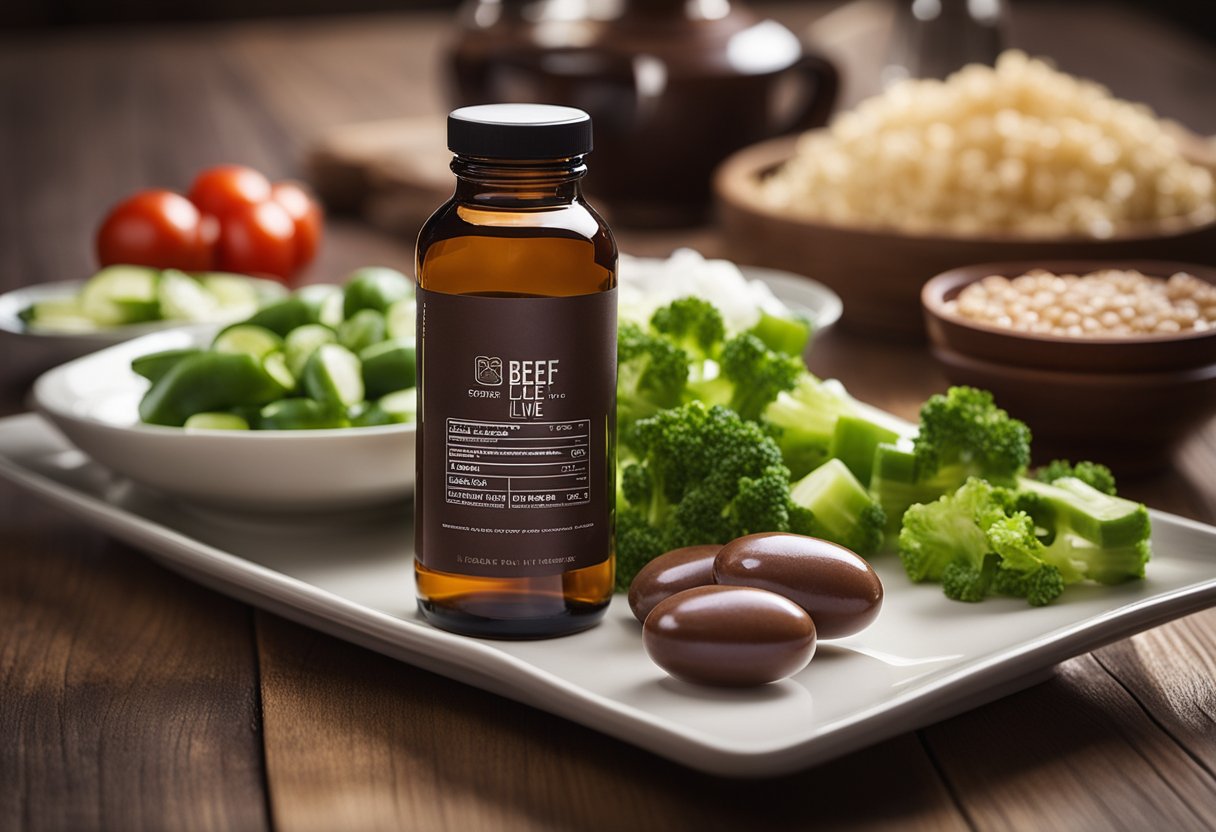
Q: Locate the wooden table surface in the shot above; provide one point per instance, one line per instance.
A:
(132, 699)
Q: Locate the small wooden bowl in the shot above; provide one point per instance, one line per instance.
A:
(1056, 352)
(878, 273)
(1125, 401)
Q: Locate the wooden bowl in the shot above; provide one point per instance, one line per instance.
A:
(879, 273)
(1126, 401)
(1057, 352)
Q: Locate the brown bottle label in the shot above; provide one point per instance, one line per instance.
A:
(517, 411)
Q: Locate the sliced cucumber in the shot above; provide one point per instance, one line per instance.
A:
(248, 339)
(216, 421)
(208, 382)
(238, 296)
(388, 366)
(155, 365)
(334, 377)
(324, 301)
(275, 365)
(365, 328)
(302, 342)
(375, 287)
(370, 415)
(300, 414)
(282, 316)
(402, 318)
(402, 406)
(119, 295)
(57, 315)
(182, 298)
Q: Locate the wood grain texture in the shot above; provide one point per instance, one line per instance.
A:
(128, 696)
(130, 699)
(355, 740)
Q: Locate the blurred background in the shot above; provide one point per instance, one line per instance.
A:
(1196, 15)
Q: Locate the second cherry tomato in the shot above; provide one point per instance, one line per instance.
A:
(225, 188)
(156, 228)
(257, 239)
(306, 214)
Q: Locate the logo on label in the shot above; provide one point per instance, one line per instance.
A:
(488, 370)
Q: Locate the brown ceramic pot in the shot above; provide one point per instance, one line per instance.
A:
(672, 86)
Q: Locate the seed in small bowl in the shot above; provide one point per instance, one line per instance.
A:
(1101, 304)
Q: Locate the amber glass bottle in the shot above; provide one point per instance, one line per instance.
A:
(517, 376)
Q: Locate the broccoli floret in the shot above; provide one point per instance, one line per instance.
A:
(1039, 586)
(966, 581)
(1023, 571)
(1093, 474)
(964, 434)
(840, 509)
(750, 376)
(703, 475)
(951, 528)
(693, 324)
(652, 373)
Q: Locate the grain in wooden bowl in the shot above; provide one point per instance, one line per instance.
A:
(1015, 163)
(1131, 399)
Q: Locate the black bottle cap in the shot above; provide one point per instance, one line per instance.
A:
(519, 131)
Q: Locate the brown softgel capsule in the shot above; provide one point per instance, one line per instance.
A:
(729, 636)
(669, 573)
(838, 588)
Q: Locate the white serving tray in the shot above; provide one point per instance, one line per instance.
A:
(925, 658)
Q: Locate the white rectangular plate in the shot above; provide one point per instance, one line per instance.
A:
(925, 658)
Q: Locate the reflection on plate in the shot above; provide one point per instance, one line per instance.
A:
(924, 659)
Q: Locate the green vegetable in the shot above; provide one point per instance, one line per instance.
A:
(154, 365)
(789, 335)
(119, 295)
(652, 373)
(56, 315)
(302, 342)
(803, 421)
(402, 318)
(401, 406)
(964, 434)
(183, 298)
(388, 366)
(375, 287)
(300, 414)
(836, 506)
(703, 475)
(751, 377)
(250, 339)
(360, 331)
(333, 377)
(1091, 473)
(692, 324)
(1029, 542)
(216, 421)
(282, 316)
(854, 442)
(209, 381)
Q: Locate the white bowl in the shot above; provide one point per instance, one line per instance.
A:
(65, 345)
(94, 401)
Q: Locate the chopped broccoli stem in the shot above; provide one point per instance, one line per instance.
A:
(841, 508)
(788, 335)
(854, 440)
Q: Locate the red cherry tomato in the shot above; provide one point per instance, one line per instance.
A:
(224, 188)
(306, 214)
(159, 229)
(257, 239)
